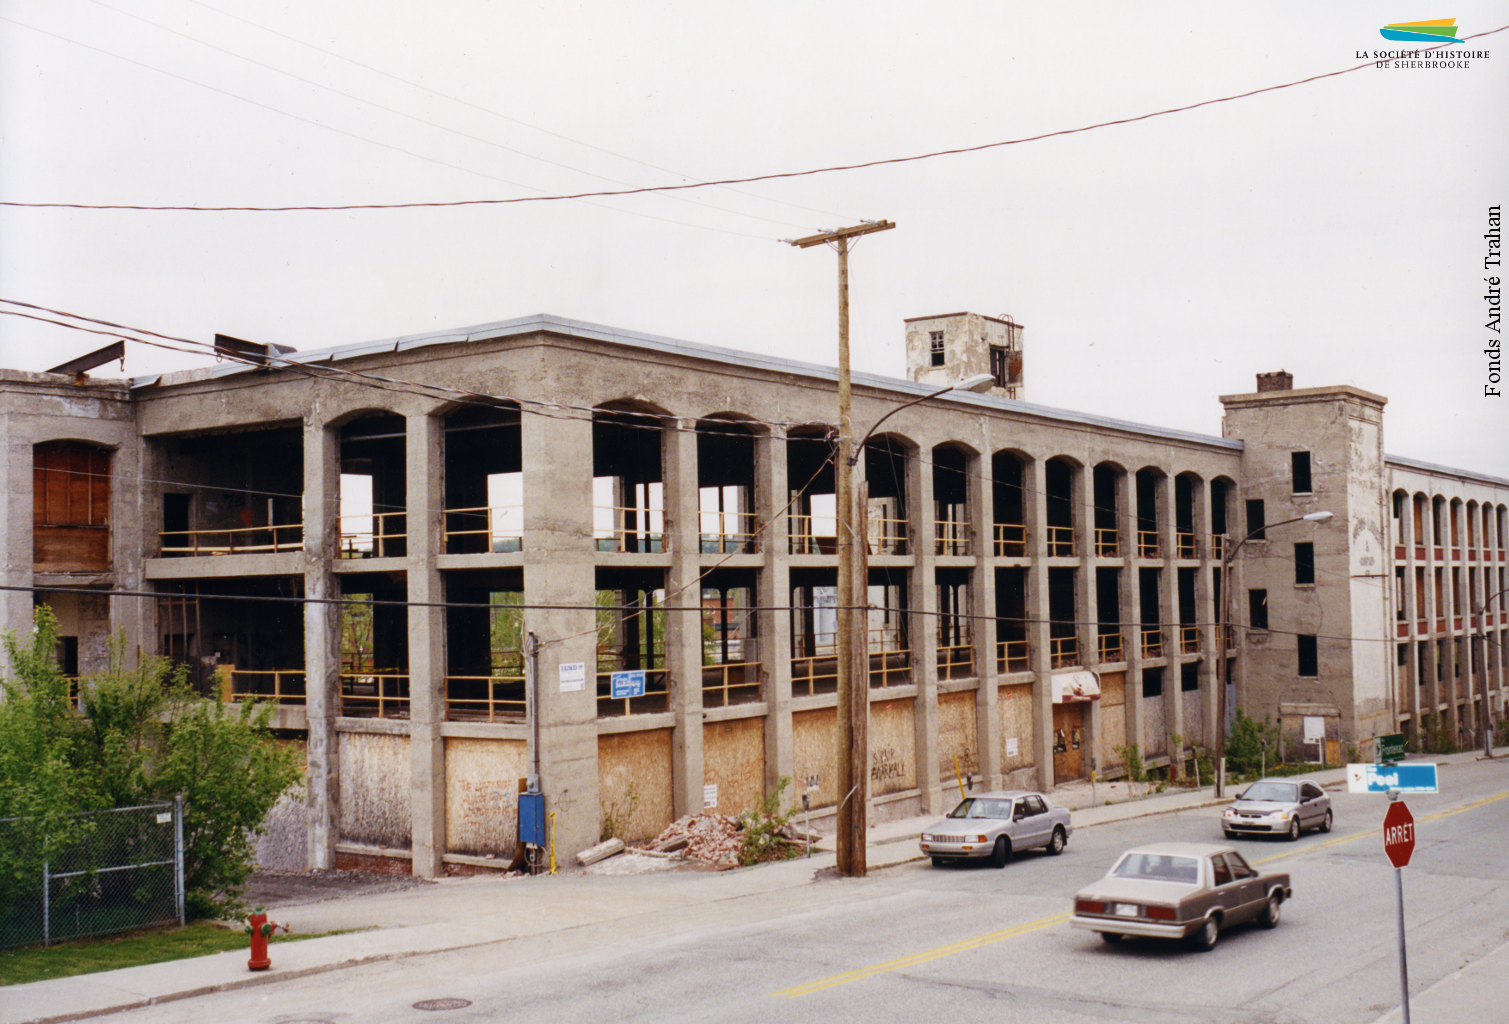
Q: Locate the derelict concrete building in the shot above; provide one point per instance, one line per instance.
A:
(547, 498)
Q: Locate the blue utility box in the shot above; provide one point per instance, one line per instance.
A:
(532, 818)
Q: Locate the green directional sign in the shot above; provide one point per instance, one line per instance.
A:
(1391, 748)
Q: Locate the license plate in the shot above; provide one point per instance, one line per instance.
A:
(1126, 910)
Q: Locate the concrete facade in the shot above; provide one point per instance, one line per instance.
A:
(637, 504)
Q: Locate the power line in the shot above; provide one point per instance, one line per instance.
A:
(723, 181)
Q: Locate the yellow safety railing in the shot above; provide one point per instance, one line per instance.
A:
(502, 699)
(1152, 642)
(1011, 540)
(382, 539)
(1063, 651)
(887, 536)
(890, 668)
(730, 683)
(281, 686)
(1218, 545)
(486, 525)
(1185, 546)
(743, 538)
(644, 536)
(1147, 543)
(814, 675)
(374, 695)
(1061, 541)
(1110, 647)
(1107, 543)
(656, 699)
(950, 537)
(956, 662)
(1012, 656)
(1189, 639)
(241, 541)
(804, 542)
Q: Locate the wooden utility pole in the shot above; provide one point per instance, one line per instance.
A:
(853, 753)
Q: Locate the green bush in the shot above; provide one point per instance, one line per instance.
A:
(762, 830)
(140, 736)
(1251, 746)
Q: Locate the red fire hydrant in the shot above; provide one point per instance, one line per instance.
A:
(260, 929)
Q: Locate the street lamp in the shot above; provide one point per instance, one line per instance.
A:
(1226, 559)
(1480, 647)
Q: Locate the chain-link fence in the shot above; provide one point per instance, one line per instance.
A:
(121, 869)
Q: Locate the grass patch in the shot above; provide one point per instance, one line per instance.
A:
(85, 956)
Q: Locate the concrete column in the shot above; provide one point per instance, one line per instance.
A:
(425, 446)
(1085, 598)
(1035, 508)
(559, 585)
(1411, 607)
(922, 514)
(322, 647)
(982, 597)
(16, 500)
(1205, 612)
(683, 627)
(773, 591)
(1168, 611)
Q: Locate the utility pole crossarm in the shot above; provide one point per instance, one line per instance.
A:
(830, 236)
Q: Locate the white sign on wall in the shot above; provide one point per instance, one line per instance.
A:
(1011, 747)
(710, 795)
(573, 677)
(1315, 728)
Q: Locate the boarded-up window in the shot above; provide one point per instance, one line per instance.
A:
(70, 508)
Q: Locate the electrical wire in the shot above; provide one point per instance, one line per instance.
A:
(774, 176)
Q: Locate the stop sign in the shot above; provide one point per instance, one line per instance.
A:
(1398, 834)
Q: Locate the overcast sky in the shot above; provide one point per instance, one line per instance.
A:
(1333, 229)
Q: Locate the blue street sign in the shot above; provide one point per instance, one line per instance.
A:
(1380, 778)
(628, 684)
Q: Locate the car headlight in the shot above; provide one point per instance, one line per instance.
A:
(1231, 812)
(927, 837)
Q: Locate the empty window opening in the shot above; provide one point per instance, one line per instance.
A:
(1108, 614)
(1257, 609)
(627, 486)
(730, 648)
(1399, 594)
(1063, 628)
(1011, 620)
(1300, 471)
(1220, 493)
(936, 351)
(889, 629)
(951, 527)
(1152, 682)
(631, 642)
(247, 492)
(1308, 655)
(374, 638)
(814, 631)
(725, 487)
(1149, 607)
(1105, 481)
(1256, 522)
(373, 499)
(1147, 513)
(1059, 483)
(1007, 509)
(955, 637)
(885, 466)
(1398, 505)
(1189, 676)
(484, 481)
(1189, 630)
(1304, 563)
(810, 487)
(484, 632)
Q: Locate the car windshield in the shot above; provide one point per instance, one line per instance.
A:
(976, 807)
(1159, 866)
(1277, 792)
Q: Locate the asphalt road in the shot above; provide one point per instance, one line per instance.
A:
(918, 943)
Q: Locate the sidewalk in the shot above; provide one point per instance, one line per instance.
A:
(459, 913)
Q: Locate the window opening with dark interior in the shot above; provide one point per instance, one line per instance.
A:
(888, 628)
(725, 487)
(1011, 620)
(628, 493)
(1300, 471)
(810, 485)
(484, 481)
(885, 473)
(1008, 508)
(1059, 483)
(631, 635)
(373, 498)
(814, 631)
(484, 633)
(951, 528)
(730, 646)
(955, 637)
(935, 348)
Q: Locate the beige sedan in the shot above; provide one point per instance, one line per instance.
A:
(1179, 891)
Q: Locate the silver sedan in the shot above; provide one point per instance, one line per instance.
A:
(997, 825)
(1278, 807)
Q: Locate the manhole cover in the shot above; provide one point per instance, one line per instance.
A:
(442, 1004)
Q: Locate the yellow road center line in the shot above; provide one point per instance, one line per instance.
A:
(917, 958)
(1338, 840)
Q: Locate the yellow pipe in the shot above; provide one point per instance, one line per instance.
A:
(551, 816)
(959, 777)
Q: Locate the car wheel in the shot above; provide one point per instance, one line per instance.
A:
(1270, 913)
(1204, 937)
(1293, 829)
(1111, 937)
(1057, 842)
(1325, 824)
(938, 862)
(1002, 852)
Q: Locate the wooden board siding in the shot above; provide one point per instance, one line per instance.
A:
(1113, 721)
(482, 796)
(374, 790)
(1015, 709)
(634, 782)
(815, 754)
(893, 747)
(957, 736)
(733, 759)
(70, 508)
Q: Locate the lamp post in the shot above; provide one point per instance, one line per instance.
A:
(1480, 647)
(1226, 559)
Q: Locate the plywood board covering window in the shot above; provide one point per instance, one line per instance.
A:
(70, 507)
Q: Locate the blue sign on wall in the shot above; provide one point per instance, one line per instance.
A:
(1380, 778)
(627, 684)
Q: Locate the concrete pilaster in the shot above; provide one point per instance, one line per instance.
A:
(982, 593)
(1035, 507)
(1085, 598)
(1168, 611)
(683, 627)
(773, 591)
(423, 449)
(922, 515)
(322, 682)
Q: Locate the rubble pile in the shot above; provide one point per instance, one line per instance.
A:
(713, 838)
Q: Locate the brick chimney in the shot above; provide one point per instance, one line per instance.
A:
(1283, 380)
